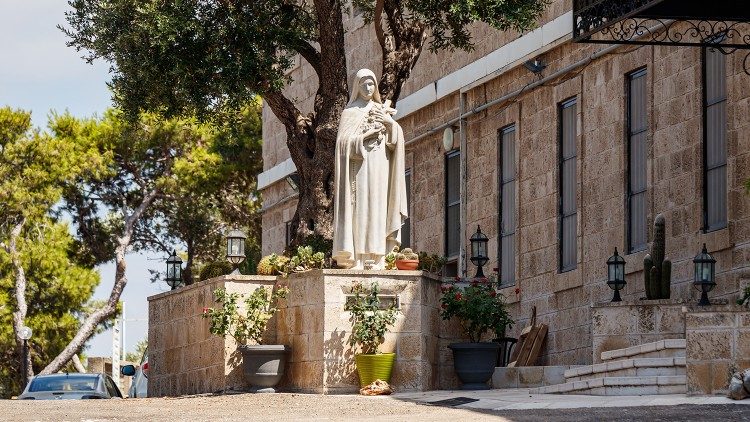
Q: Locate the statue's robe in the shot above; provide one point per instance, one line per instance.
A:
(370, 189)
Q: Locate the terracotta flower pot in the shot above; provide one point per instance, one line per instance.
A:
(407, 264)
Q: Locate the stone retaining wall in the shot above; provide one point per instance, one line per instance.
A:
(718, 344)
(184, 357)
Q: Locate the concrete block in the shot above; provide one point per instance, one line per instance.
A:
(554, 375)
(505, 378)
(530, 376)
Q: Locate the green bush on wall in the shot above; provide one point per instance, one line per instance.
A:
(215, 269)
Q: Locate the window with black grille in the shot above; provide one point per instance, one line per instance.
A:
(452, 204)
(507, 247)
(715, 140)
(567, 197)
(637, 153)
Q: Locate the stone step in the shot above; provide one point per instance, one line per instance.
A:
(619, 386)
(661, 348)
(628, 368)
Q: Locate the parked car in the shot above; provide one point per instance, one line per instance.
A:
(139, 386)
(71, 386)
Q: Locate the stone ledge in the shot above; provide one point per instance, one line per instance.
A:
(644, 348)
(265, 279)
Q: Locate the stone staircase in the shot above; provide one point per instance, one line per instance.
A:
(646, 369)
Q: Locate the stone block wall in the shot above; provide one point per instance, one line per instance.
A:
(718, 344)
(184, 357)
(617, 325)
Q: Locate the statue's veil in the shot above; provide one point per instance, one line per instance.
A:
(361, 74)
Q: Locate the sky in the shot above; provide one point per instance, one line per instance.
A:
(39, 73)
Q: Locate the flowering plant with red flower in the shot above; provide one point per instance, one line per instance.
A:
(478, 307)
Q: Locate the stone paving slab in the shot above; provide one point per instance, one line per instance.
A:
(515, 399)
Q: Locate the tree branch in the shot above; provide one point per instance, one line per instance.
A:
(310, 54)
(88, 327)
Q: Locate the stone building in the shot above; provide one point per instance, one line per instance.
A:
(572, 162)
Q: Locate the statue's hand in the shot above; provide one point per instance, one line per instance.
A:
(383, 117)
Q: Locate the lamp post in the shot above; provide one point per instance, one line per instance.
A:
(479, 251)
(705, 271)
(174, 270)
(616, 275)
(25, 334)
(236, 248)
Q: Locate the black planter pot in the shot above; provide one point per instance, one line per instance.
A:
(263, 366)
(474, 363)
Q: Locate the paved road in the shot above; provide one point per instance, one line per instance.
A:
(304, 407)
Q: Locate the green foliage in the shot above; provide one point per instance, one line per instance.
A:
(191, 56)
(206, 176)
(248, 324)
(449, 20)
(390, 259)
(432, 263)
(305, 259)
(215, 269)
(478, 307)
(370, 323)
(136, 355)
(58, 294)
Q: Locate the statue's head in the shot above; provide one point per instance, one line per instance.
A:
(365, 86)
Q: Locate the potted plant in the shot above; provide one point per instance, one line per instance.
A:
(479, 309)
(407, 260)
(370, 323)
(263, 365)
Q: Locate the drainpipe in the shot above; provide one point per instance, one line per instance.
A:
(463, 187)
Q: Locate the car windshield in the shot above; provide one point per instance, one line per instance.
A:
(64, 383)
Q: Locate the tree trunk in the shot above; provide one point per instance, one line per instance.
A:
(187, 275)
(21, 307)
(89, 325)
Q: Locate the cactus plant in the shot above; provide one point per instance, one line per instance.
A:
(657, 271)
(406, 254)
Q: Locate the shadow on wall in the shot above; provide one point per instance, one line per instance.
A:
(341, 368)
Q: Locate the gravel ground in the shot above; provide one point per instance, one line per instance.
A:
(298, 407)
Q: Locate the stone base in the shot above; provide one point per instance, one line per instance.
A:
(617, 325)
(316, 326)
(529, 376)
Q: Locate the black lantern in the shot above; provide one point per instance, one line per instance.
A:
(616, 275)
(705, 267)
(479, 251)
(174, 270)
(236, 247)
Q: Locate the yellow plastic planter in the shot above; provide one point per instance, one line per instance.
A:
(374, 366)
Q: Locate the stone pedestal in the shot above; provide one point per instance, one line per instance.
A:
(617, 325)
(316, 326)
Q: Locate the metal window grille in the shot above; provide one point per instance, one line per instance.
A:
(507, 172)
(637, 153)
(715, 140)
(452, 204)
(567, 199)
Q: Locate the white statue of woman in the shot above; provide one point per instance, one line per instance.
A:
(370, 186)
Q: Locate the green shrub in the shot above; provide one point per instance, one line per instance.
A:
(215, 269)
